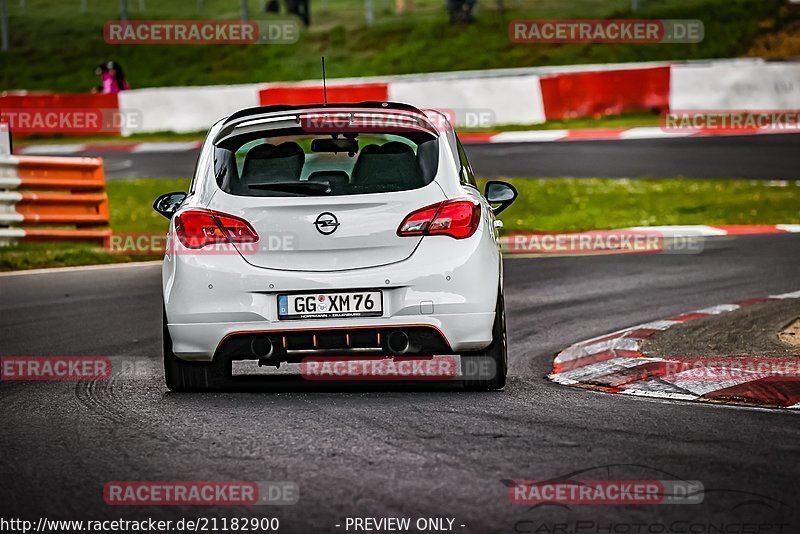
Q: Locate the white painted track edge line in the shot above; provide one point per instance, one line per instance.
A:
(78, 268)
(659, 394)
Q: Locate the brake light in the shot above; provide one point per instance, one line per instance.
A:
(197, 228)
(454, 218)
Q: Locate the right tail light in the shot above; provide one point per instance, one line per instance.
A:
(455, 218)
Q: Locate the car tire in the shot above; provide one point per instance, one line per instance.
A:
(182, 376)
(496, 352)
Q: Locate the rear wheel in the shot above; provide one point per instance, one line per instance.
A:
(181, 375)
(486, 370)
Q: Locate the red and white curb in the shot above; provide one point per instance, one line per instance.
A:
(692, 230)
(531, 136)
(538, 243)
(687, 230)
(99, 148)
(614, 363)
(609, 134)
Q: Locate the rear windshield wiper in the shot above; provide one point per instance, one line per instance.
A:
(300, 188)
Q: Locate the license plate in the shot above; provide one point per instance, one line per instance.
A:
(330, 305)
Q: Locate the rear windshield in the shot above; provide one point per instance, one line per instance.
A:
(325, 164)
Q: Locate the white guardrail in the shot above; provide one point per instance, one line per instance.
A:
(508, 95)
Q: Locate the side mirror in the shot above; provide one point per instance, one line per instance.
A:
(500, 193)
(168, 203)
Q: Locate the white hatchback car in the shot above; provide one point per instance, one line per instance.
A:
(338, 230)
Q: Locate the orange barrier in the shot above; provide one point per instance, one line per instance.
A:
(64, 208)
(73, 174)
(67, 193)
(66, 234)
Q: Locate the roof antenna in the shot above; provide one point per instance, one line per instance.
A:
(324, 84)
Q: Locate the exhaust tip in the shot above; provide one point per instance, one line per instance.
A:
(397, 342)
(261, 347)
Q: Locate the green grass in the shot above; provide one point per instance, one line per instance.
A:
(574, 204)
(624, 120)
(564, 204)
(131, 203)
(55, 47)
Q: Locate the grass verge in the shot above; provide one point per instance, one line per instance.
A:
(561, 204)
(54, 46)
(575, 204)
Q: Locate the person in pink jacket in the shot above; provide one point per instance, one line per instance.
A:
(112, 78)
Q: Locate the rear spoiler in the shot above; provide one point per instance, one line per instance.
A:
(377, 117)
(260, 110)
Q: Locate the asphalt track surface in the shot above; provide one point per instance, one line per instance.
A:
(419, 451)
(754, 157)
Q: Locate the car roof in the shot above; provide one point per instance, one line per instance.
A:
(269, 117)
(321, 107)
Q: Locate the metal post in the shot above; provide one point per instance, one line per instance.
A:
(199, 6)
(123, 10)
(634, 5)
(245, 10)
(84, 6)
(5, 139)
(141, 6)
(3, 26)
(369, 12)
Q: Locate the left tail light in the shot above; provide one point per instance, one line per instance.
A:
(197, 228)
(455, 218)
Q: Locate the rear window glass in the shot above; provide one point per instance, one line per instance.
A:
(323, 164)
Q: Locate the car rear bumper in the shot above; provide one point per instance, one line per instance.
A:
(201, 341)
(447, 285)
